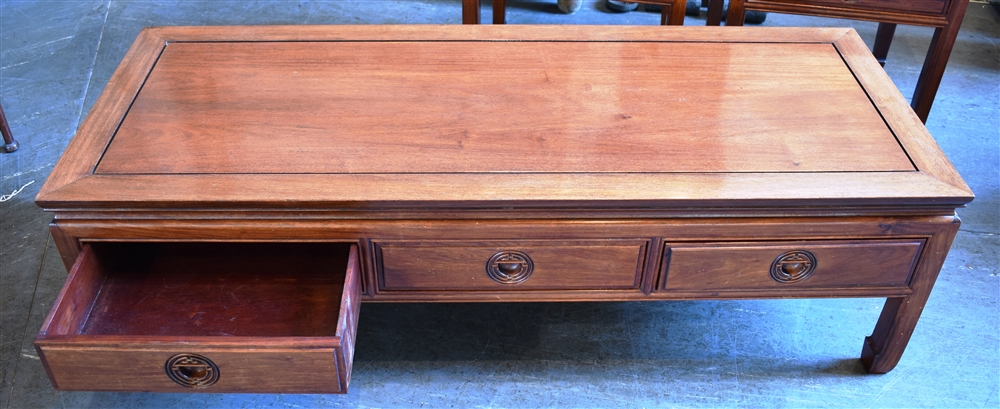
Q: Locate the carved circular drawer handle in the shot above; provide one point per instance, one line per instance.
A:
(509, 267)
(192, 371)
(793, 266)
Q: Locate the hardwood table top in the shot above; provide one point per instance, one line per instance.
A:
(459, 116)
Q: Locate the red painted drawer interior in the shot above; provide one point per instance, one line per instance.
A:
(211, 317)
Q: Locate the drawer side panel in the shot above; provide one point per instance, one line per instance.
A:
(350, 309)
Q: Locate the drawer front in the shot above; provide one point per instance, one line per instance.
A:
(511, 266)
(238, 369)
(783, 266)
(205, 317)
(905, 6)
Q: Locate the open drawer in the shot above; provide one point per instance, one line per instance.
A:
(205, 317)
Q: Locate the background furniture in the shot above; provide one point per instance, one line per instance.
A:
(716, 10)
(945, 16)
(9, 144)
(672, 12)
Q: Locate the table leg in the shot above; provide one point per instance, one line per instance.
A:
(883, 348)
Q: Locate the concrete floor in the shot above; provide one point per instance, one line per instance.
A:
(57, 56)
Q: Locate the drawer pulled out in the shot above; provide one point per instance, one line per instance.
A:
(205, 317)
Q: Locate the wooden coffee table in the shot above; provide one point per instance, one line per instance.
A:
(237, 191)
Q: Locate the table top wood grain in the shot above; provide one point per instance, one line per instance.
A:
(459, 116)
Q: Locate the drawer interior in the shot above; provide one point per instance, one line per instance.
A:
(212, 289)
(248, 317)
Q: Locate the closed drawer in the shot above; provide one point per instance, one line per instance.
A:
(205, 317)
(904, 6)
(788, 266)
(519, 265)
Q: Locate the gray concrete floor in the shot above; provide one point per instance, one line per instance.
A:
(57, 56)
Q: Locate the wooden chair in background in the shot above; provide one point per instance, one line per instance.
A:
(945, 16)
(672, 13)
(9, 144)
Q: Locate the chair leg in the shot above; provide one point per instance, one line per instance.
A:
(470, 11)
(883, 39)
(9, 144)
(937, 59)
(736, 13)
(499, 11)
(677, 9)
(714, 13)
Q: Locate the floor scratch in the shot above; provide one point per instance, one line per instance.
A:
(31, 304)
(5, 198)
